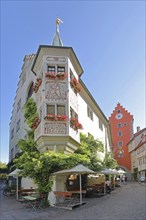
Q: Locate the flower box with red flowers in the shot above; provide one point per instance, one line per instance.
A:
(75, 123)
(50, 75)
(37, 85)
(75, 85)
(61, 75)
(52, 117)
(36, 123)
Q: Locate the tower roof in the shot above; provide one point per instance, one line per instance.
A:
(57, 40)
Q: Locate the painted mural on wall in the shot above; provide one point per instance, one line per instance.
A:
(55, 90)
(120, 152)
(55, 128)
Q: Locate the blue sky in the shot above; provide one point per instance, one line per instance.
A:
(108, 38)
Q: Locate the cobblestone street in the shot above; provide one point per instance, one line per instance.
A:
(127, 202)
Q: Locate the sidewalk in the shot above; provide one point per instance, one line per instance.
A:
(127, 202)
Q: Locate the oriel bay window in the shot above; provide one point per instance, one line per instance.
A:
(56, 113)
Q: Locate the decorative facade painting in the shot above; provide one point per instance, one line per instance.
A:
(120, 152)
(55, 91)
(55, 128)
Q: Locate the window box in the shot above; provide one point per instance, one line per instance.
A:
(52, 117)
(37, 85)
(50, 75)
(75, 123)
(75, 85)
(61, 75)
(36, 123)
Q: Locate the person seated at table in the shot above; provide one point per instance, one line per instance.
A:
(108, 185)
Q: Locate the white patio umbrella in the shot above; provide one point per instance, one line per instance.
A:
(79, 169)
(121, 171)
(15, 174)
(108, 172)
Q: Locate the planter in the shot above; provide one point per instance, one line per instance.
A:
(50, 75)
(36, 123)
(75, 124)
(56, 117)
(37, 85)
(75, 85)
(61, 75)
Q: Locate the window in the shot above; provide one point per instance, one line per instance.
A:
(60, 110)
(18, 125)
(23, 78)
(119, 125)
(120, 144)
(56, 110)
(60, 69)
(118, 110)
(12, 133)
(51, 69)
(119, 133)
(73, 113)
(50, 109)
(12, 153)
(89, 113)
(30, 92)
(19, 105)
(16, 149)
(100, 124)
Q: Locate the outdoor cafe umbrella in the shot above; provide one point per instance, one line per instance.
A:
(108, 172)
(15, 174)
(80, 169)
(121, 171)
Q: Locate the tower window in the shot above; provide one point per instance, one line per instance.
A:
(119, 133)
(119, 125)
(120, 144)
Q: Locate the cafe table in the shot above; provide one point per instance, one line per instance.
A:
(32, 202)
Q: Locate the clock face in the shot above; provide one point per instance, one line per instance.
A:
(119, 116)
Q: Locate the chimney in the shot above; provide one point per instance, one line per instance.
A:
(138, 128)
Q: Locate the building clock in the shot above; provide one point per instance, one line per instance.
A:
(119, 116)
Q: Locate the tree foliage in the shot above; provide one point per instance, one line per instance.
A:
(40, 165)
(109, 161)
(90, 147)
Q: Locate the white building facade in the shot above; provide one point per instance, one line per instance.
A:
(52, 77)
